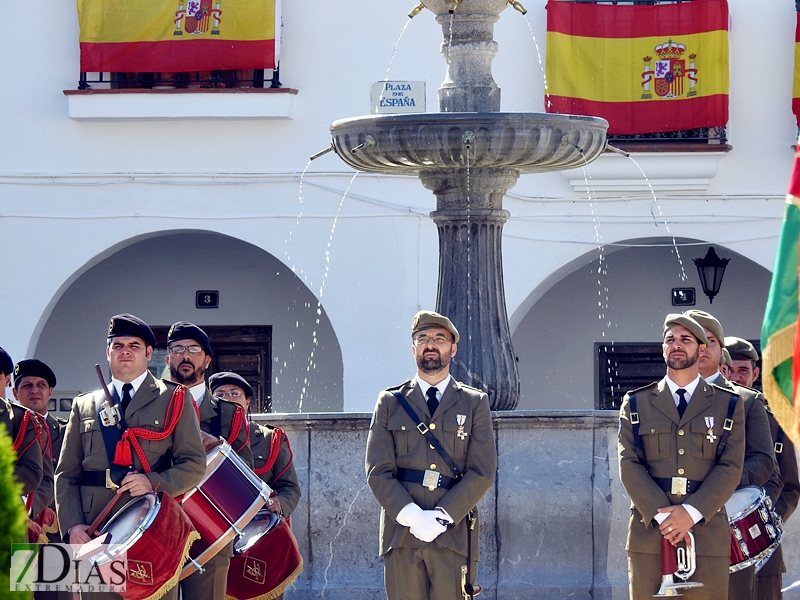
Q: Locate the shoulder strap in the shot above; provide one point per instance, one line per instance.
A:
(637, 439)
(423, 429)
(727, 425)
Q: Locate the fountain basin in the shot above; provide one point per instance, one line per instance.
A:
(409, 144)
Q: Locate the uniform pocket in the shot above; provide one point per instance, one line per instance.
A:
(701, 447)
(91, 437)
(405, 434)
(455, 436)
(656, 439)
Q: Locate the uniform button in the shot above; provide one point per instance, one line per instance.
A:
(680, 451)
(680, 471)
(652, 431)
(432, 448)
(680, 431)
(433, 426)
(259, 456)
(156, 422)
(433, 467)
(431, 488)
(403, 427)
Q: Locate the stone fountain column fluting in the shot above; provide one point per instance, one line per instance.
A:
(469, 215)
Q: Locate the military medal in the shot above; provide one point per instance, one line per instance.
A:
(710, 433)
(461, 419)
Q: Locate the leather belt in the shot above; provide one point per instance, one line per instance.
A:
(98, 479)
(679, 486)
(429, 479)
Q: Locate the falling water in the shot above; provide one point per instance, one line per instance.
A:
(394, 50)
(448, 45)
(287, 242)
(661, 216)
(539, 56)
(318, 318)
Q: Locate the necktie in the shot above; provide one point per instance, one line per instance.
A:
(432, 401)
(126, 396)
(682, 402)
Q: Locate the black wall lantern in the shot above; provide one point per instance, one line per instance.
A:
(711, 268)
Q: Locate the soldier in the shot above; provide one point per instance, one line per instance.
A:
(428, 484)
(189, 357)
(176, 462)
(679, 466)
(759, 457)
(726, 365)
(33, 385)
(23, 430)
(783, 490)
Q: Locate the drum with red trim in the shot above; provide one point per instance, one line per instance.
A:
(267, 559)
(155, 534)
(756, 529)
(226, 500)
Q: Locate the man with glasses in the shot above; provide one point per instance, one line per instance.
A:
(188, 359)
(428, 471)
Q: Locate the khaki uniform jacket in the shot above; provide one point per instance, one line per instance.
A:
(678, 446)
(83, 448)
(395, 442)
(28, 469)
(210, 407)
(52, 438)
(285, 484)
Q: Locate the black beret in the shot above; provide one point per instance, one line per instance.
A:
(228, 378)
(188, 331)
(33, 368)
(6, 364)
(130, 325)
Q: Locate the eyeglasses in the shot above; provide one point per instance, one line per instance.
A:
(181, 349)
(234, 394)
(438, 339)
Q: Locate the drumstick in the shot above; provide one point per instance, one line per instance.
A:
(102, 516)
(109, 397)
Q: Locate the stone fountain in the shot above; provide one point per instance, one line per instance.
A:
(469, 155)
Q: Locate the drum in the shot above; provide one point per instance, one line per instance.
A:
(266, 559)
(226, 500)
(156, 535)
(756, 529)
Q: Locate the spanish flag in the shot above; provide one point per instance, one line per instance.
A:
(796, 85)
(645, 69)
(780, 341)
(134, 36)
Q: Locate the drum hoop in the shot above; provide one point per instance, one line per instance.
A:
(256, 481)
(221, 452)
(765, 553)
(749, 508)
(256, 539)
(136, 534)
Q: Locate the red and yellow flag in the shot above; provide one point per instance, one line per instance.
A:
(645, 69)
(133, 36)
(780, 336)
(796, 84)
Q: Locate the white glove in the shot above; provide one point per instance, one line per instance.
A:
(422, 523)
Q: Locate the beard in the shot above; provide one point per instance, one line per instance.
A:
(193, 378)
(681, 363)
(430, 366)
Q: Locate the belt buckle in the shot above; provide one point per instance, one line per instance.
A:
(679, 486)
(431, 479)
(109, 483)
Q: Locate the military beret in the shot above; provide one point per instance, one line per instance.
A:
(6, 364)
(228, 378)
(425, 319)
(708, 321)
(688, 322)
(33, 368)
(740, 349)
(130, 325)
(725, 358)
(189, 331)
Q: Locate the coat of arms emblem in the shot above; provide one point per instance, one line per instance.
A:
(669, 72)
(196, 16)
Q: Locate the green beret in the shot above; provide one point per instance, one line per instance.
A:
(129, 325)
(33, 368)
(425, 319)
(6, 364)
(725, 358)
(688, 322)
(708, 321)
(228, 378)
(740, 349)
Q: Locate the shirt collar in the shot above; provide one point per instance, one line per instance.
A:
(714, 378)
(136, 383)
(198, 391)
(690, 387)
(440, 387)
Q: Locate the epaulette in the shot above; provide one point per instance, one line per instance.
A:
(171, 384)
(723, 389)
(228, 404)
(397, 387)
(644, 387)
(60, 420)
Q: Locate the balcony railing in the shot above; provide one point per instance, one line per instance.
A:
(250, 78)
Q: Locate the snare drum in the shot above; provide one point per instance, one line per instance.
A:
(156, 535)
(756, 529)
(226, 500)
(266, 559)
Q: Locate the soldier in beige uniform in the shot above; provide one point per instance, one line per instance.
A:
(189, 357)
(759, 457)
(425, 505)
(679, 466)
(28, 470)
(177, 461)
